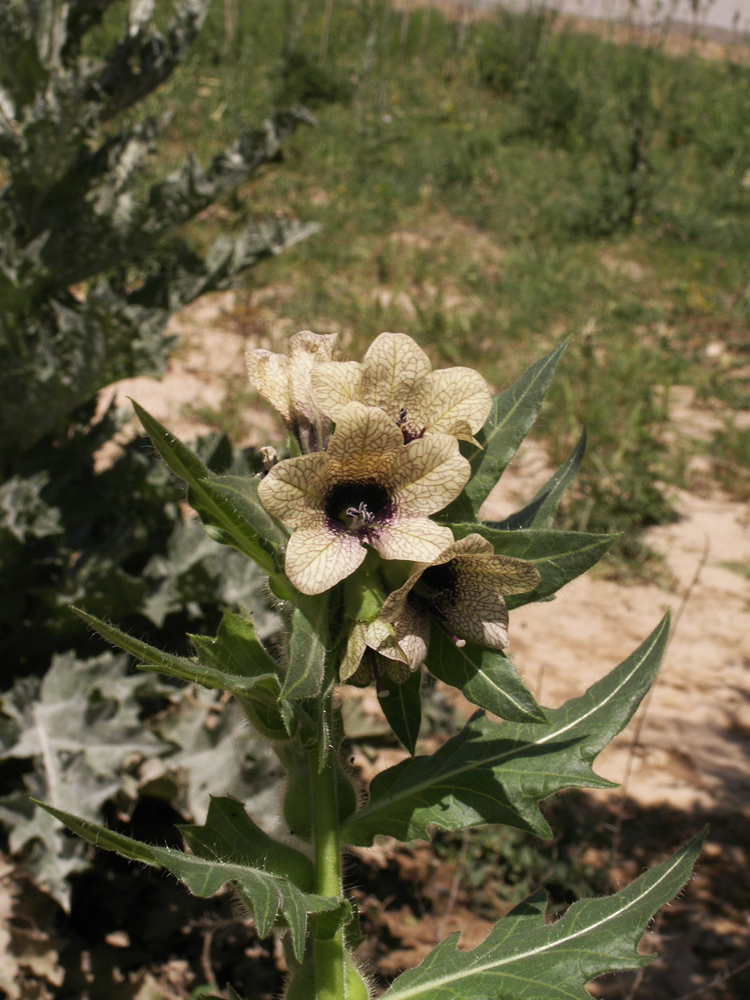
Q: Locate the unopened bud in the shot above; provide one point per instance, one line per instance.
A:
(270, 457)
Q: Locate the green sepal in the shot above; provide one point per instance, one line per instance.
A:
(498, 772)
(402, 707)
(266, 896)
(559, 556)
(512, 414)
(539, 512)
(224, 517)
(485, 677)
(523, 956)
(230, 833)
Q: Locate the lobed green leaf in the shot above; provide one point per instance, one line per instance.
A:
(267, 896)
(234, 661)
(512, 414)
(497, 772)
(525, 957)
(236, 649)
(230, 833)
(241, 679)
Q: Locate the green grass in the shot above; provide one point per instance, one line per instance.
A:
(490, 189)
(730, 452)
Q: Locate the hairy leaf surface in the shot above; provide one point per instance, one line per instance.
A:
(307, 648)
(525, 957)
(213, 507)
(403, 707)
(497, 772)
(485, 677)
(242, 491)
(230, 833)
(230, 672)
(267, 896)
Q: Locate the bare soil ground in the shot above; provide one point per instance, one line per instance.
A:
(682, 762)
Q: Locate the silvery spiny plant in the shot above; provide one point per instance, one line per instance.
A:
(86, 287)
(371, 536)
(91, 271)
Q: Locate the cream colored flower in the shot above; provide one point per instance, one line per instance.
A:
(284, 380)
(396, 376)
(463, 589)
(368, 488)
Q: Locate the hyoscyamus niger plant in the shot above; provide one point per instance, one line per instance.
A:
(370, 534)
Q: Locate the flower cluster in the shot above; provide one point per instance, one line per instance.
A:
(379, 455)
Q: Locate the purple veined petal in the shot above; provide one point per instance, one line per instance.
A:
(318, 557)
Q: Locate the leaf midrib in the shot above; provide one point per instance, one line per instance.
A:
(552, 359)
(507, 755)
(547, 946)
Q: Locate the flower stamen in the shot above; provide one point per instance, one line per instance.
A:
(360, 516)
(463, 592)
(367, 489)
(444, 628)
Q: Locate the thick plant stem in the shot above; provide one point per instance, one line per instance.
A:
(330, 973)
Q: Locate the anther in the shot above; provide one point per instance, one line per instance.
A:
(360, 515)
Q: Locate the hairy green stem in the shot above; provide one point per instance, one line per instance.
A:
(330, 971)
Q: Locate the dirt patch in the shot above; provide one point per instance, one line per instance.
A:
(694, 740)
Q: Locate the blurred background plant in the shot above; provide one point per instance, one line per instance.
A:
(91, 269)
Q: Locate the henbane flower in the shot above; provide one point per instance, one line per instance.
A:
(368, 488)
(396, 376)
(284, 380)
(463, 589)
